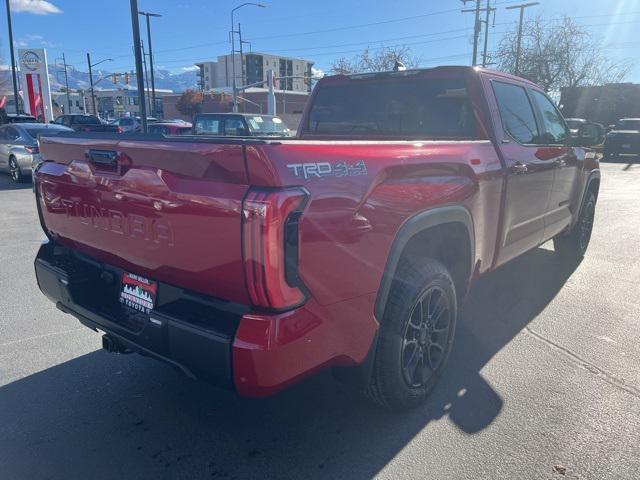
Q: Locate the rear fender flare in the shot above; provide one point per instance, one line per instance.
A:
(412, 226)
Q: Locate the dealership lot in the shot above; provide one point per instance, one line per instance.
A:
(544, 381)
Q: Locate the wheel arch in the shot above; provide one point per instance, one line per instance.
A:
(422, 223)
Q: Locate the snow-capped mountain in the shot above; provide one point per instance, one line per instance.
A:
(164, 79)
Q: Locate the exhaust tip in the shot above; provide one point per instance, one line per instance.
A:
(111, 345)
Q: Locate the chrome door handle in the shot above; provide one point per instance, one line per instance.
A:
(519, 168)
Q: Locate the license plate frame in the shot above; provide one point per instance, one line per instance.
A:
(138, 293)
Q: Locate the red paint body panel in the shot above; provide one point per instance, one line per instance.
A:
(175, 215)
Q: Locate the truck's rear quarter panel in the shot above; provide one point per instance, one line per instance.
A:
(351, 221)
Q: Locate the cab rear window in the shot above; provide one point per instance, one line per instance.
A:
(391, 107)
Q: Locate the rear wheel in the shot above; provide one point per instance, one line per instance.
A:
(416, 335)
(14, 171)
(572, 246)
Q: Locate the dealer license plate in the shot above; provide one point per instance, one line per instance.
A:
(138, 293)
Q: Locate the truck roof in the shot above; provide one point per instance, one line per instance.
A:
(453, 69)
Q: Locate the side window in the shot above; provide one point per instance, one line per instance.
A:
(234, 127)
(554, 128)
(3, 133)
(12, 134)
(59, 120)
(516, 112)
(207, 126)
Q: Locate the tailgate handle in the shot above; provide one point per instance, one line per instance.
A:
(104, 158)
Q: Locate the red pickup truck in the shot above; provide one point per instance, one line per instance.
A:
(253, 263)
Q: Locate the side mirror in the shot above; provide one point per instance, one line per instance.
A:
(589, 134)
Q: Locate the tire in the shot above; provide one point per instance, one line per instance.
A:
(14, 171)
(407, 329)
(572, 246)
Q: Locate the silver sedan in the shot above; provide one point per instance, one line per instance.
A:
(19, 147)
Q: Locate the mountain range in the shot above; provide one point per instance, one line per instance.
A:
(164, 79)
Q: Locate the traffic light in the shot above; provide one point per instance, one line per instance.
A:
(115, 78)
(126, 79)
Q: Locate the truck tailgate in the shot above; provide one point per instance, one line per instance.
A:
(169, 211)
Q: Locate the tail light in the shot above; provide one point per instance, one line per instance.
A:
(33, 150)
(270, 247)
(120, 130)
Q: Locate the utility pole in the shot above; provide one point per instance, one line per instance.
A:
(153, 81)
(522, 6)
(476, 29)
(93, 95)
(146, 76)
(91, 65)
(135, 26)
(488, 10)
(66, 81)
(16, 99)
(233, 52)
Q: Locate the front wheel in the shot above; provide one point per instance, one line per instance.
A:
(15, 172)
(572, 246)
(416, 335)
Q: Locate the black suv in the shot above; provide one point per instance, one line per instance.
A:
(624, 138)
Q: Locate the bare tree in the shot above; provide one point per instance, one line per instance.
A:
(557, 54)
(380, 60)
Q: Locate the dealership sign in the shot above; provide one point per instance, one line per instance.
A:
(34, 79)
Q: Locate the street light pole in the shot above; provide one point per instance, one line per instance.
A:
(518, 46)
(233, 52)
(153, 82)
(139, 74)
(16, 100)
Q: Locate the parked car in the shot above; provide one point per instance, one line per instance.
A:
(132, 124)
(13, 118)
(84, 123)
(19, 151)
(171, 128)
(239, 125)
(256, 262)
(624, 138)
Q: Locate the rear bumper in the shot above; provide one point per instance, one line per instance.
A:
(192, 333)
(216, 341)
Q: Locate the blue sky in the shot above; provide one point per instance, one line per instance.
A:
(195, 30)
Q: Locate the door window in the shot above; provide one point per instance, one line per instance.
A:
(234, 127)
(207, 126)
(516, 112)
(553, 126)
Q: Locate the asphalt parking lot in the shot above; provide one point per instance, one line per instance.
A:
(543, 382)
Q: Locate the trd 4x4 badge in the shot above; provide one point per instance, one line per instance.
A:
(325, 169)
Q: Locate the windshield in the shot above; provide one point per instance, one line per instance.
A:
(628, 125)
(125, 122)
(391, 107)
(263, 125)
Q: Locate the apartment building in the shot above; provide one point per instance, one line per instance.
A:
(251, 68)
